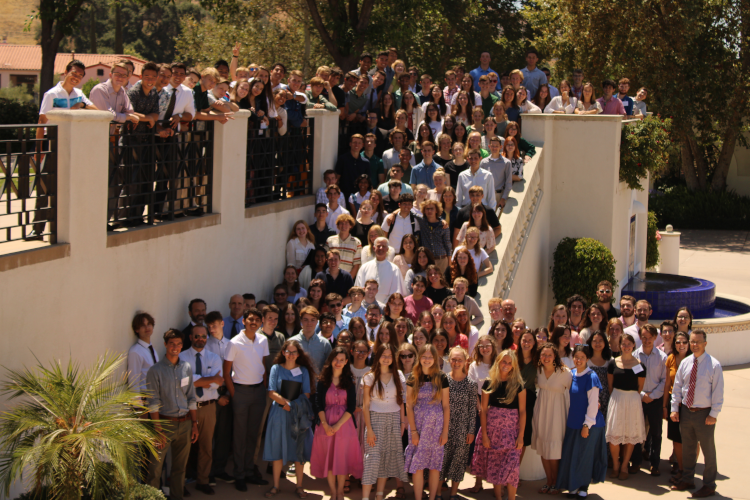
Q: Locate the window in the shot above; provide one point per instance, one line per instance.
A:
(99, 72)
(28, 80)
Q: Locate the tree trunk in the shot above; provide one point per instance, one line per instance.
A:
(719, 182)
(49, 52)
(688, 165)
(92, 32)
(306, 64)
(700, 163)
(118, 29)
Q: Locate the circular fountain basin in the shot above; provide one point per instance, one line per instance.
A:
(668, 292)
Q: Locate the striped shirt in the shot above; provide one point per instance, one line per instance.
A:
(350, 250)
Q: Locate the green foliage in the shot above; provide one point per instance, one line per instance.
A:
(14, 112)
(686, 209)
(17, 93)
(652, 246)
(645, 147)
(75, 430)
(579, 264)
(136, 491)
(86, 89)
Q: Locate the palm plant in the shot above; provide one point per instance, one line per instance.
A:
(76, 431)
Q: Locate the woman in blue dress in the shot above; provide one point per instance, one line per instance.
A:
(584, 452)
(293, 366)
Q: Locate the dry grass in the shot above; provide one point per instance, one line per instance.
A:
(15, 13)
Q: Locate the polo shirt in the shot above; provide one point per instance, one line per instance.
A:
(350, 250)
(612, 107)
(488, 103)
(532, 80)
(316, 347)
(627, 103)
(247, 358)
(357, 102)
(321, 237)
(422, 174)
(478, 71)
(376, 167)
(340, 285)
(57, 97)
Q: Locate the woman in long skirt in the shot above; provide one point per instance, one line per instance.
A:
(584, 454)
(625, 424)
(336, 453)
(484, 356)
(428, 411)
(528, 362)
(550, 413)
(385, 420)
(462, 396)
(503, 419)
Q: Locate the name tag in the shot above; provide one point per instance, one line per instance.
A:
(296, 372)
(184, 382)
(637, 369)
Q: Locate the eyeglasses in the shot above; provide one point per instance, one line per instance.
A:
(406, 356)
(605, 291)
(278, 294)
(291, 353)
(201, 337)
(697, 342)
(681, 342)
(488, 346)
(361, 352)
(335, 305)
(119, 75)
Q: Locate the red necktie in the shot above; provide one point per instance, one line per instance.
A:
(691, 386)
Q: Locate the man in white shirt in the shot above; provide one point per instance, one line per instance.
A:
(245, 377)
(404, 223)
(642, 313)
(207, 378)
(385, 273)
(183, 109)
(533, 77)
(141, 356)
(334, 208)
(475, 176)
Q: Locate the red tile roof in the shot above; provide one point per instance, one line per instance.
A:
(29, 58)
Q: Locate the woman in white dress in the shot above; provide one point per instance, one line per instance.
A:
(300, 242)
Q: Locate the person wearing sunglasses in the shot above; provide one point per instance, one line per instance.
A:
(604, 296)
(679, 350)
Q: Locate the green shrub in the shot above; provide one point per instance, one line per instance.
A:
(652, 246)
(17, 93)
(645, 147)
(579, 264)
(13, 112)
(686, 209)
(137, 492)
(86, 89)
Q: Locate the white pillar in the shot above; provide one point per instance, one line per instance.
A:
(325, 143)
(531, 466)
(669, 250)
(230, 159)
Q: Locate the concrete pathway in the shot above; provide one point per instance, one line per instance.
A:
(720, 256)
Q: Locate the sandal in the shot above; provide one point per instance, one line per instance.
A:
(476, 489)
(272, 493)
(301, 493)
(401, 495)
(554, 491)
(544, 489)
(347, 486)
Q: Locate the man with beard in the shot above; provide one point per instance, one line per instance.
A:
(604, 294)
(373, 316)
(627, 310)
(197, 313)
(576, 307)
(642, 313)
(207, 378)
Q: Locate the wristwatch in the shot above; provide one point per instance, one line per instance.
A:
(586, 426)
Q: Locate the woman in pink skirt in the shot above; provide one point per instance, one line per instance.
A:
(503, 421)
(336, 452)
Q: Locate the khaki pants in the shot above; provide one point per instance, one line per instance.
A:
(442, 263)
(206, 425)
(498, 197)
(178, 440)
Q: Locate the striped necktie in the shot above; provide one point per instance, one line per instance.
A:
(691, 386)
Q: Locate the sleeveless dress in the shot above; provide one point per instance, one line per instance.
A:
(463, 402)
(551, 413)
(428, 417)
(340, 453)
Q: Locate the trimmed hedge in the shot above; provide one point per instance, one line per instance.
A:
(700, 209)
(652, 246)
(579, 264)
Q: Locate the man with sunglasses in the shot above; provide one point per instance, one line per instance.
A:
(280, 296)
(604, 296)
(207, 378)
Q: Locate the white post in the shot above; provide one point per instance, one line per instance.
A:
(325, 143)
(669, 249)
(230, 157)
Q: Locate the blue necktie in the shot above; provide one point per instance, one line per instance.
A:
(198, 371)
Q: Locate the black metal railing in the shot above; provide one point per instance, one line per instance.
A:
(28, 184)
(154, 178)
(278, 166)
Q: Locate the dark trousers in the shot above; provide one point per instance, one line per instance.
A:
(653, 413)
(694, 431)
(222, 438)
(249, 403)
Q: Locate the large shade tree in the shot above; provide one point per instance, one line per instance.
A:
(692, 55)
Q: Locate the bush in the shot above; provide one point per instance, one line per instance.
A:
(652, 245)
(686, 209)
(86, 89)
(645, 147)
(14, 112)
(579, 264)
(137, 492)
(17, 93)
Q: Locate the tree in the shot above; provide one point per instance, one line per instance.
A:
(78, 431)
(692, 56)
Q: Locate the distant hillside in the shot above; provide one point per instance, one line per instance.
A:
(13, 20)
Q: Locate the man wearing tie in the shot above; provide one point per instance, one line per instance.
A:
(233, 323)
(697, 397)
(197, 313)
(373, 316)
(207, 378)
(141, 356)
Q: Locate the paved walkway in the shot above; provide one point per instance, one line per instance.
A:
(720, 256)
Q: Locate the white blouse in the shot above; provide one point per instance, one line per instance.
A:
(556, 104)
(529, 107)
(296, 253)
(388, 403)
(486, 238)
(479, 373)
(582, 107)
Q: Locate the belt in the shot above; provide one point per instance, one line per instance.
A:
(695, 409)
(249, 385)
(174, 419)
(201, 404)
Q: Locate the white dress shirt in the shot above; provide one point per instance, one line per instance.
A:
(247, 358)
(388, 276)
(401, 227)
(183, 103)
(211, 365)
(656, 371)
(139, 361)
(482, 178)
(333, 215)
(709, 386)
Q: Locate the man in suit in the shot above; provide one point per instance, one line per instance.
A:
(381, 135)
(197, 313)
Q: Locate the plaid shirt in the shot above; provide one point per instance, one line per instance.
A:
(143, 104)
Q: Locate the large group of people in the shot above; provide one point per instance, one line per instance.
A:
(367, 361)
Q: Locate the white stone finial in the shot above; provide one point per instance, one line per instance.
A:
(670, 228)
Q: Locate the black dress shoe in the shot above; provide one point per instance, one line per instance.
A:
(205, 488)
(240, 485)
(211, 481)
(224, 477)
(257, 480)
(704, 492)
